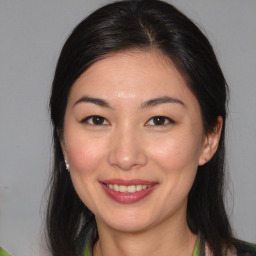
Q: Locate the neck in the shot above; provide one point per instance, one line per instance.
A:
(170, 236)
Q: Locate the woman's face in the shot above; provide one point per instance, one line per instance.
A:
(133, 138)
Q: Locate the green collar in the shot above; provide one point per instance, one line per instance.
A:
(3, 252)
(197, 247)
(86, 250)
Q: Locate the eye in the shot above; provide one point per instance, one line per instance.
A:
(95, 120)
(159, 121)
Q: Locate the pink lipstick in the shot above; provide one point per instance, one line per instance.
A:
(127, 191)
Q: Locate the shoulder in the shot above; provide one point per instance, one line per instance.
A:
(245, 249)
(3, 252)
(240, 248)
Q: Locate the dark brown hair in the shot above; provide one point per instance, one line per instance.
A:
(144, 25)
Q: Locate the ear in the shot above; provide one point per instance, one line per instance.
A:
(211, 142)
(62, 143)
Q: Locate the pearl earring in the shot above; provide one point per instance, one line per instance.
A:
(67, 166)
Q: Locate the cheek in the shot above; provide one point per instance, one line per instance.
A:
(177, 152)
(84, 153)
(85, 156)
(177, 158)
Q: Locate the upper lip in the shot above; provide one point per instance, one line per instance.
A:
(128, 182)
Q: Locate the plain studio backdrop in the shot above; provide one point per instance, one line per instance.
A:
(31, 36)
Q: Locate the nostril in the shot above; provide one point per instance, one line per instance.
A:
(126, 150)
(127, 160)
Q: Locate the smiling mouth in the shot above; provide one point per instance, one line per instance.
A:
(127, 189)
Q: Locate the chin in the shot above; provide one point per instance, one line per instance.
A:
(129, 227)
(129, 223)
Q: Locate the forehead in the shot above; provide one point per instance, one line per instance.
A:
(132, 74)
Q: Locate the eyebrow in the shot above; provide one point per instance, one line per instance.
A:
(96, 101)
(149, 103)
(161, 100)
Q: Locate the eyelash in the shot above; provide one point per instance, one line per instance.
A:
(162, 118)
(103, 121)
(86, 120)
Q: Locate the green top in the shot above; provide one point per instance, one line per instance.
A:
(87, 251)
(197, 247)
(3, 252)
(245, 249)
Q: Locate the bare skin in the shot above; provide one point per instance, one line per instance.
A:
(132, 117)
(171, 241)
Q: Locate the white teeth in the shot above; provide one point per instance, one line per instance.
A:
(131, 189)
(139, 187)
(127, 189)
(116, 187)
(122, 189)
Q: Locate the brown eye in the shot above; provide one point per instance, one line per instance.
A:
(96, 120)
(159, 120)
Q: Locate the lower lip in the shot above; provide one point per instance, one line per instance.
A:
(127, 198)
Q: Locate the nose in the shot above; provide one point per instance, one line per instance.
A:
(127, 150)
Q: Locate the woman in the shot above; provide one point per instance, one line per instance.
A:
(138, 108)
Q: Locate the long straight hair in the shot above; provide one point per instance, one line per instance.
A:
(145, 25)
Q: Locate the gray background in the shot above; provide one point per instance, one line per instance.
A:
(31, 35)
